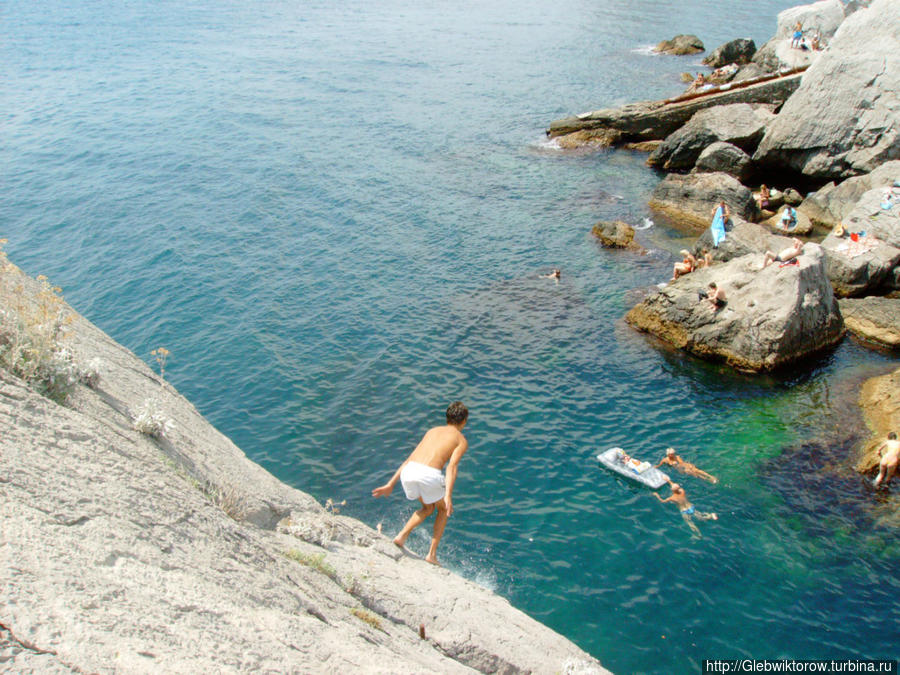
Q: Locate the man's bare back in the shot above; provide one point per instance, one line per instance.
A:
(890, 458)
(437, 446)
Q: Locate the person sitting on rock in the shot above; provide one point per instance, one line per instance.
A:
(762, 199)
(672, 459)
(679, 497)
(715, 296)
(785, 255)
(788, 219)
(890, 458)
(686, 266)
(705, 259)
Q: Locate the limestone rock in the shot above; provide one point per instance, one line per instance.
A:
(588, 138)
(880, 401)
(738, 51)
(748, 72)
(739, 124)
(825, 17)
(802, 229)
(842, 120)
(136, 554)
(741, 239)
(773, 317)
(792, 197)
(680, 45)
(615, 234)
(856, 271)
(724, 157)
(874, 319)
(689, 200)
(833, 203)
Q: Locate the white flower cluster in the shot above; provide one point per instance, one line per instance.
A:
(150, 419)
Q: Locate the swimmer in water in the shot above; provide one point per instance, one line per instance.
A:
(555, 274)
(688, 512)
(672, 459)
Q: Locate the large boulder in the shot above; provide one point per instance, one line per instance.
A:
(773, 317)
(740, 124)
(802, 228)
(879, 399)
(873, 319)
(741, 238)
(738, 51)
(724, 157)
(689, 200)
(824, 17)
(615, 234)
(842, 120)
(863, 267)
(833, 203)
(680, 45)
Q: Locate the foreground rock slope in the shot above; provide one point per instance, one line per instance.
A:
(127, 553)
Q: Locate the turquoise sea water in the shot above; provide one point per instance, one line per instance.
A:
(334, 216)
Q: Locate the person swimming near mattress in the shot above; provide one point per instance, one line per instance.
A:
(688, 511)
(672, 459)
(422, 479)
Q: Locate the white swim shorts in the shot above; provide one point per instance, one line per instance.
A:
(422, 481)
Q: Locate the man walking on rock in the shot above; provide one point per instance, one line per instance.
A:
(422, 479)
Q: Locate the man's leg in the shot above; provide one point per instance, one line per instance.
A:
(706, 516)
(890, 473)
(440, 520)
(880, 476)
(414, 521)
(690, 523)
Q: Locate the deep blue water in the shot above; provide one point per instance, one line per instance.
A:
(334, 216)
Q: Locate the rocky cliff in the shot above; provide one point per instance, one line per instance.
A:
(167, 550)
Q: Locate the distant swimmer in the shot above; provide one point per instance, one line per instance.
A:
(688, 512)
(422, 479)
(555, 274)
(890, 458)
(672, 459)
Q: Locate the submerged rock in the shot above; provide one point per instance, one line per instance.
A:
(842, 120)
(874, 319)
(739, 124)
(680, 45)
(773, 317)
(689, 200)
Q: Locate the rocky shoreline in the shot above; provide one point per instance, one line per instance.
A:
(819, 127)
(137, 538)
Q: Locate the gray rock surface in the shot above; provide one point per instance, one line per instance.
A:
(802, 228)
(689, 200)
(724, 157)
(615, 234)
(739, 51)
(773, 317)
(855, 273)
(791, 197)
(825, 17)
(680, 45)
(129, 553)
(873, 319)
(741, 239)
(739, 124)
(833, 203)
(842, 120)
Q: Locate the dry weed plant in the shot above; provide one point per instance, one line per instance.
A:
(368, 617)
(151, 418)
(314, 560)
(32, 332)
(228, 498)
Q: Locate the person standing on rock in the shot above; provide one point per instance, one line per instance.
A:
(720, 216)
(422, 479)
(890, 458)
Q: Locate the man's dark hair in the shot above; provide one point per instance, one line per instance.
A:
(457, 413)
(891, 436)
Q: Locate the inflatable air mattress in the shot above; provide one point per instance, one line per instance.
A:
(641, 472)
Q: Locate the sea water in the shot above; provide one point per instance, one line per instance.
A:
(335, 215)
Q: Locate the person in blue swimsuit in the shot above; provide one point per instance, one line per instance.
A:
(688, 512)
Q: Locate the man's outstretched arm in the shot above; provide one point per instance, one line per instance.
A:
(452, 466)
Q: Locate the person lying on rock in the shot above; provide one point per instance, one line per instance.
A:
(422, 479)
(785, 255)
(672, 459)
(679, 497)
(890, 458)
(686, 266)
(714, 295)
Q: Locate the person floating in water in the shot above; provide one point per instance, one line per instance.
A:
(555, 274)
(672, 459)
(688, 512)
(890, 458)
(422, 479)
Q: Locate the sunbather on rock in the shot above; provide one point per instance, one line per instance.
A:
(785, 255)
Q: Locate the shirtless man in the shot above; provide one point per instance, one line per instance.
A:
(421, 476)
(555, 274)
(672, 459)
(890, 458)
(679, 497)
(715, 296)
(785, 255)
